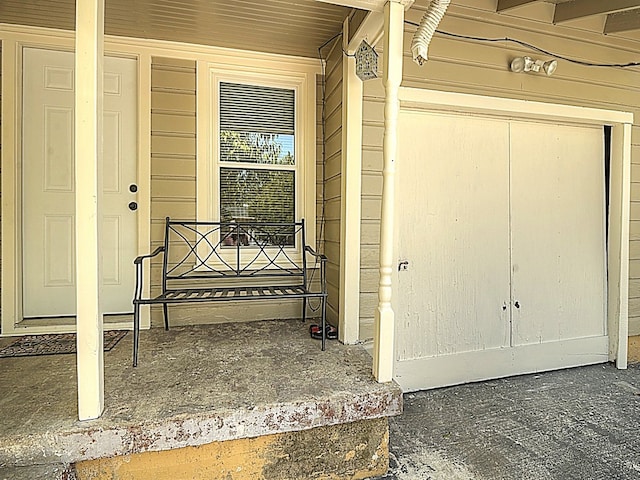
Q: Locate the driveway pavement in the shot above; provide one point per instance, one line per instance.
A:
(581, 423)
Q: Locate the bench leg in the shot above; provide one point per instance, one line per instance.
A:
(324, 322)
(166, 316)
(304, 309)
(136, 332)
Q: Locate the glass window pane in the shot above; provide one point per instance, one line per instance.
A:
(252, 147)
(252, 195)
(257, 124)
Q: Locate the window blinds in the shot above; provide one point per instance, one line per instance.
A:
(258, 109)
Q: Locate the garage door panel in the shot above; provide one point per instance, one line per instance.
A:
(557, 228)
(446, 370)
(453, 220)
(502, 225)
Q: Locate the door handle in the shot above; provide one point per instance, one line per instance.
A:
(133, 206)
(517, 304)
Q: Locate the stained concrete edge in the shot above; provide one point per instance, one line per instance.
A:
(39, 472)
(91, 441)
(347, 451)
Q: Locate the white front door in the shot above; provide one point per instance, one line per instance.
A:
(502, 224)
(48, 197)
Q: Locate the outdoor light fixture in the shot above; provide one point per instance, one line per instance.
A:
(528, 64)
(366, 62)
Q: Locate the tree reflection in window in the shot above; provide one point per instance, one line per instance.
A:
(257, 158)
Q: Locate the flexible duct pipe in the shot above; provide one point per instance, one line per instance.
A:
(424, 33)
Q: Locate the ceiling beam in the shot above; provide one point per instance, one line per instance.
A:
(371, 30)
(372, 5)
(622, 21)
(586, 8)
(508, 4)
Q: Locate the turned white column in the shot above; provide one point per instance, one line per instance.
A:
(384, 327)
(88, 187)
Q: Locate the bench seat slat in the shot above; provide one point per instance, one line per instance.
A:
(221, 293)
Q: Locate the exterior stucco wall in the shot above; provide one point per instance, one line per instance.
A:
(465, 66)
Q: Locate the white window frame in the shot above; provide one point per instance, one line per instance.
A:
(271, 71)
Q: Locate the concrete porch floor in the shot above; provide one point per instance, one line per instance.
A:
(193, 385)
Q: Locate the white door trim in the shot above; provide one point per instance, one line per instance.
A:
(13, 42)
(620, 186)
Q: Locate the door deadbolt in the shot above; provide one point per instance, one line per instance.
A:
(133, 188)
(133, 206)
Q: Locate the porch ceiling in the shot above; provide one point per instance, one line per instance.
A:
(615, 15)
(273, 26)
(282, 26)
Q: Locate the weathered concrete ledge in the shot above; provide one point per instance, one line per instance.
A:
(347, 451)
(194, 386)
(94, 441)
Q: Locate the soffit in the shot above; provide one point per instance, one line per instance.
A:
(615, 16)
(275, 26)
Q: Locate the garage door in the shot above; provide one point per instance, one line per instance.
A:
(502, 226)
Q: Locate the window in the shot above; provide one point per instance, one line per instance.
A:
(257, 143)
(257, 162)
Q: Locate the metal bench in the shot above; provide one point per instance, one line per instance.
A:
(229, 262)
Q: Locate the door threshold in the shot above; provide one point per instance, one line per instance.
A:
(44, 325)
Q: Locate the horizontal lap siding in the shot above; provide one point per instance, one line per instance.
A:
(333, 175)
(173, 189)
(0, 145)
(372, 131)
(173, 153)
(465, 66)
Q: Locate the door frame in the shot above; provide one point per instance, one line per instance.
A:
(14, 38)
(617, 254)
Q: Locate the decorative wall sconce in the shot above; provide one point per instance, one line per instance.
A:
(528, 64)
(366, 62)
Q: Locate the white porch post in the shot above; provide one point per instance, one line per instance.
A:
(351, 190)
(384, 327)
(88, 183)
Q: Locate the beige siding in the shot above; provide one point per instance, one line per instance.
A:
(371, 200)
(173, 186)
(332, 176)
(173, 146)
(482, 68)
(0, 145)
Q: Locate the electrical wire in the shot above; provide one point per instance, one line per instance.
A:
(323, 127)
(531, 47)
(322, 153)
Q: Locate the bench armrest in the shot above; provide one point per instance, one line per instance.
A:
(138, 260)
(323, 267)
(137, 294)
(320, 256)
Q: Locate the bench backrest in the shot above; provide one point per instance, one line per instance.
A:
(267, 252)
